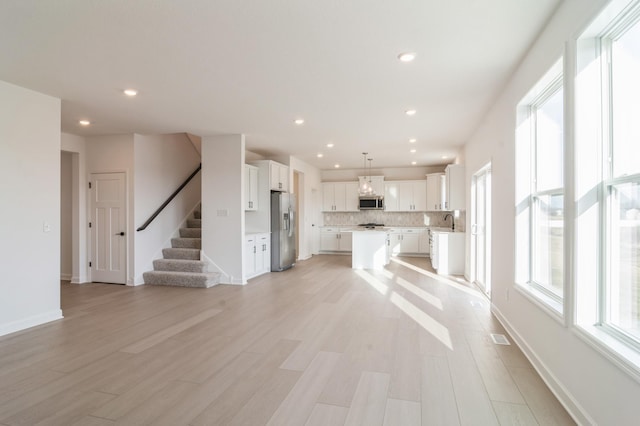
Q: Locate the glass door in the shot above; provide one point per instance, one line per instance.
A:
(481, 229)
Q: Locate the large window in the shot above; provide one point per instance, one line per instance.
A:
(621, 307)
(607, 183)
(540, 171)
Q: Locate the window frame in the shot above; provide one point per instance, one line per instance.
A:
(552, 82)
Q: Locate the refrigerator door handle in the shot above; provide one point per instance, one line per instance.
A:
(290, 222)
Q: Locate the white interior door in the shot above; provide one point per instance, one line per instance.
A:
(108, 228)
(481, 229)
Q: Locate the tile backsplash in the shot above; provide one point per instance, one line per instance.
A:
(394, 219)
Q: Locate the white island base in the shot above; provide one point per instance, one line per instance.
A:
(369, 250)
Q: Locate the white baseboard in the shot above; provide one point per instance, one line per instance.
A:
(65, 277)
(573, 407)
(79, 280)
(31, 321)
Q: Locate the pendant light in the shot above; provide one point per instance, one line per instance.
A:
(365, 187)
(371, 191)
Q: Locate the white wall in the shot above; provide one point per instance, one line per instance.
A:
(115, 153)
(75, 145)
(66, 211)
(162, 163)
(223, 228)
(306, 215)
(30, 194)
(591, 387)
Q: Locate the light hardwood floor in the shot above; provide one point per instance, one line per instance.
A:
(320, 344)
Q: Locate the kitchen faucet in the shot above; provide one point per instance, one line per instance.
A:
(453, 225)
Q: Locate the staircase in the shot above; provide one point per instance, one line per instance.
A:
(181, 265)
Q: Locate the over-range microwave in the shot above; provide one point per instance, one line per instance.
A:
(371, 203)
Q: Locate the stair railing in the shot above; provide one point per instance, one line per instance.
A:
(168, 200)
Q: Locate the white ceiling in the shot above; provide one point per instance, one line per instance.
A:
(235, 66)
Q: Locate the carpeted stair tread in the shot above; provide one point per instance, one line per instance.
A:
(191, 232)
(181, 253)
(194, 223)
(182, 279)
(194, 243)
(180, 265)
(197, 215)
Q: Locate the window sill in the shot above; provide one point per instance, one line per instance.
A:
(624, 357)
(547, 304)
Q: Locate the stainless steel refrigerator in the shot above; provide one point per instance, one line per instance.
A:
(283, 231)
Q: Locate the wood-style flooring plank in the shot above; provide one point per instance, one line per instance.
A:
(514, 414)
(439, 405)
(297, 406)
(327, 415)
(369, 401)
(399, 412)
(545, 407)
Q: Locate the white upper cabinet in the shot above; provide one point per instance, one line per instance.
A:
(435, 191)
(340, 196)
(279, 174)
(405, 196)
(250, 187)
(455, 194)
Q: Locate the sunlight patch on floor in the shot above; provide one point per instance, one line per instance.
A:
(426, 296)
(432, 326)
(440, 278)
(378, 285)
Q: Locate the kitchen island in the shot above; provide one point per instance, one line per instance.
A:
(369, 249)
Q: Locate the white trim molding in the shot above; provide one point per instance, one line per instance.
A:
(31, 321)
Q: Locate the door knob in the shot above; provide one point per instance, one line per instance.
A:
(121, 234)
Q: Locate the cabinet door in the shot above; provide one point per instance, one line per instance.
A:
(250, 256)
(434, 191)
(455, 192)
(339, 197)
(394, 243)
(328, 197)
(391, 197)
(405, 197)
(351, 196)
(263, 253)
(251, 187)
(420, 195)
(410, 242)
(283, 173)
(345, 241)
(329, 241)
(274, 176)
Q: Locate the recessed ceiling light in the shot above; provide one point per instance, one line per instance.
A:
(407, 56)
(130, 92)
(413, 151)
(410, 112)
(84, 122)
(412, 140)
(329, 145)
(444, 157)
(320, 155)
(337, 166)
(299, 121)
(413, 163)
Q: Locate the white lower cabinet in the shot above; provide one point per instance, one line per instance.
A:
(334, 239)
(408, 241)
(448, 251)
(257, 254)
